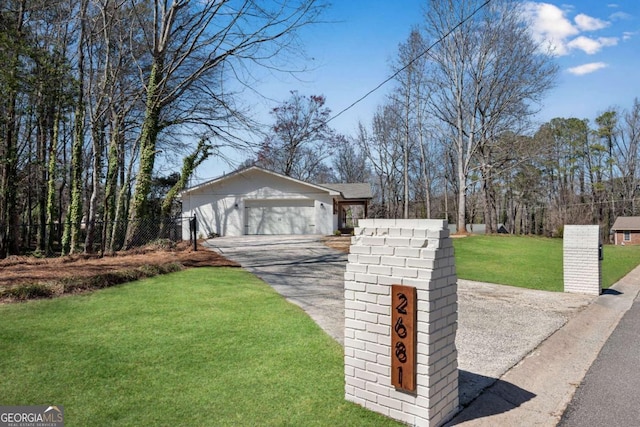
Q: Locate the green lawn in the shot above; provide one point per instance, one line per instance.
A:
(218, 346)
(531, 262)
(201, 347)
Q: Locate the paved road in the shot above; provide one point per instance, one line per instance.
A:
(497, 325)
(610, 392)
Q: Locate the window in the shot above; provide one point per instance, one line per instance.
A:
(627, 236)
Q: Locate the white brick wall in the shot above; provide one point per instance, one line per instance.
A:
(581, 263)
(416, 253)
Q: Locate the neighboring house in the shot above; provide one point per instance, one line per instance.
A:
(626, 230)
(259, 201)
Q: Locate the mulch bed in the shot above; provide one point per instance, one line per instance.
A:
(18, 270)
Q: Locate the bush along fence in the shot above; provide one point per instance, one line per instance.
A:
(104, 237)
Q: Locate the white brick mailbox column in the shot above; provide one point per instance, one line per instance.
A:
(417, 254)
(581, 259)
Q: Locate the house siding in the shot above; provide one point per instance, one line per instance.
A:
(634, 238)
(220, 207)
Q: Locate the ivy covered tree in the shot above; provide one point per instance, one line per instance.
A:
(188, 48)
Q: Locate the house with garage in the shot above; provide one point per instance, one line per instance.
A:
(259, 201)
(626, 230)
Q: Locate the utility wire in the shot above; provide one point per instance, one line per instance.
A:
(394, 75)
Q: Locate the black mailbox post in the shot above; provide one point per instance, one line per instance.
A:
(193, 231)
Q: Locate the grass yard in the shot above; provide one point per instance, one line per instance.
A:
(201, 347)
(531, 262)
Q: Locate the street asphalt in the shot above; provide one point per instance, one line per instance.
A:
(522, 353)
(609, 394)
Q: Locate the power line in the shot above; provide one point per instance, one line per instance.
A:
(394, 75)
(600, 202)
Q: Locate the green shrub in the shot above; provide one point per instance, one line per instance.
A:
(150, 270)
(118, 277)
(80, 284)
(162, 244)
(100, 281)
(171, 267)
(38, 254)
(32, 291)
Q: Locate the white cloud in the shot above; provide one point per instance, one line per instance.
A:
(620, 16)
(549, 26)
(591, 46)
(581, 70)
(608, 41)
(628, 34)
(588, 23)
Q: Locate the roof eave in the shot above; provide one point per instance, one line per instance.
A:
(239, 172)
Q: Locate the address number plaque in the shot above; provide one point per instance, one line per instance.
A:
(403, 337)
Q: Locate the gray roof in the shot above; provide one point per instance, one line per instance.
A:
(352, 191)
(626, 223)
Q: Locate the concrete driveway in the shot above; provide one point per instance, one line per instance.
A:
(497, 325)
(300, 268)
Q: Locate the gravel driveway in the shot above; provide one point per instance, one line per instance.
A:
(497, 325)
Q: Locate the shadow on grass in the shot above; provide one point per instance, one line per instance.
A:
(482, 396)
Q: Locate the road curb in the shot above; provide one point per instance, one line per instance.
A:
(538, 389)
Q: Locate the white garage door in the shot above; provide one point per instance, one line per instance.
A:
(279, 216)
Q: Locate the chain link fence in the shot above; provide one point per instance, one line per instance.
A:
(105, 237)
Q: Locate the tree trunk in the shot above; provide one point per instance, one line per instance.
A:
(149, 135)
(189, 164)
(487, 196)
(9, 219)
(119, 226)
(461, 223)
(70, 239)
(426, 180)
(51, 184)
(488, 207)
(110, 189)
(406, 180)
(41, 173)
(462, 197)
(98, 135)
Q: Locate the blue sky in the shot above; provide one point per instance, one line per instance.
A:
(596, 45)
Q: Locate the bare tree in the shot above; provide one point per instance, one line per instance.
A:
(486, 72)
(410, 71)
(192, 45)
(563, 148)
(71, 237)
(627, 152)
(384, 153)
(12, 50)
(300, 139)
(350, 163)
